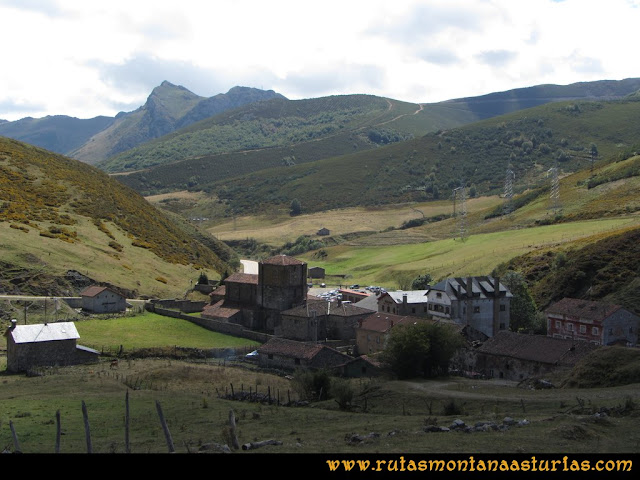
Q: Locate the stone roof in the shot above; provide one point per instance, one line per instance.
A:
(537, 348)
(221, 309)
(46, 332)
(282, 260)
(290, 348)
(251, 278)
(383, 322)
(584, 309)
(324, 307)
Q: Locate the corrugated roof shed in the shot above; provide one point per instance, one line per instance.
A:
(44, 332)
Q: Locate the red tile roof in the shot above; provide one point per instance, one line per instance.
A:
(94, 290)
(242, 278)
(382, 322)
(220, 310)
(584, 309)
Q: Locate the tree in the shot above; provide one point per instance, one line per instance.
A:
(421, 282)
(421, 349)
(296, 207)
(523, 310)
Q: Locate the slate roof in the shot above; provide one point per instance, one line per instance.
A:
(537, 348)
(324, 307)
(584, 309)
(282, 260)
(251, 278)
(46, 332)
(482, 287)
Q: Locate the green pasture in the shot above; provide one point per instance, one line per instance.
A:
(479, 254)
(150, 330)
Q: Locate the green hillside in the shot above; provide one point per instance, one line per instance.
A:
(528, 142)
(273, 123)
(59, 214)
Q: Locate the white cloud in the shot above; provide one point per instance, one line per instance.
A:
(84, 59)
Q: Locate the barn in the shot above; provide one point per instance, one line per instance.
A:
(98, 299)
(47, 344)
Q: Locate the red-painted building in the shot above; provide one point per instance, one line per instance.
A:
(596, 322)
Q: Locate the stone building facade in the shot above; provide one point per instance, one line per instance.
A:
(320, 320)
(481, 302)
(256, 300)
(290, 355)
(49, 344)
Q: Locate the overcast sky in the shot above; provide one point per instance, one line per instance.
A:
(85, 58)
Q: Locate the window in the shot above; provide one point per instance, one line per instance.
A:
(594, 330)
(446, 310)
(503, 308)
(570, 327)
(558, 324)
(430, 307)
(583, 329)
(438, 294)
(476, 309)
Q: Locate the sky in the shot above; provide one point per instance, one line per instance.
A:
(85, 58)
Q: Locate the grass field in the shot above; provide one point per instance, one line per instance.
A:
(150, 330)
(390, 266)
(395, 412)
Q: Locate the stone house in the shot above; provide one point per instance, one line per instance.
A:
(412, 302)
(362, 366)
(256, 300)
(517, 356)
(97, 299)
(321, 320)
(596, 322)
(289, 355)
(323, 232)
(481, 302)
(373, 331)
(48, 344)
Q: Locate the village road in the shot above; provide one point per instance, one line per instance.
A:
(250, 266)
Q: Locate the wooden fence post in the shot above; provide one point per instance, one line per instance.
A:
(232, 427)
(58, 432)
(167, 433)
(87, 430)
(16, 443)
(127, 446)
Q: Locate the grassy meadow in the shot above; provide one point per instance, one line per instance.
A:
(389, 415)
